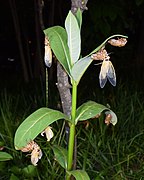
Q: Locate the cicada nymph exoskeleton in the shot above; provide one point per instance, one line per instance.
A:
(108, 119)
(107, 70)
(118, 42)
(35, 150)
(100, 55)
(48, 53)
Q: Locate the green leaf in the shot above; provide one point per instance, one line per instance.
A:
(74, 39)
(79, 174)
(104, 43)
(13, 177)
(80, 67)
(60, 155)
(58, 41)
(29, 171)
(35, 124)
(4, 156)
(91, 109)
(78, 16)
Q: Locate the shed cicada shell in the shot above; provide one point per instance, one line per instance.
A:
(118, 42)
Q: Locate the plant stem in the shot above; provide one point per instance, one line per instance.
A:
(72, 129)
(46, 95)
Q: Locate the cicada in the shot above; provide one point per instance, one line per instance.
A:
(107, 72)
(48, 53)
(118, 42)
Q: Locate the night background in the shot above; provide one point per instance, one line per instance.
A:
(22, 82)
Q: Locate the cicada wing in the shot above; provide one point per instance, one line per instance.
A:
(103, 73)
(48, 56)
(111, 74)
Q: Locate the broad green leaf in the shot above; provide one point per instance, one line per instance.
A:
(79, 174)
(91, 109)
(4, 156)
(58, 42)
(74, 39)
(104, 43)
(60, 155)
(29, 171)
(78, 16)
(13, 177)
(35, 124)
(80, 67)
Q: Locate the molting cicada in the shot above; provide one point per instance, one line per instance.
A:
(107, 70)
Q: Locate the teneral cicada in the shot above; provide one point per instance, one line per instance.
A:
(48, 53)
(107, 72)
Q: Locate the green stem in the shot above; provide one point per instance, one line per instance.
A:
(46, 95)
(72, 129)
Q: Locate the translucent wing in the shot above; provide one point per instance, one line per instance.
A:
(111, 74)
(48, 54)
(103, 73)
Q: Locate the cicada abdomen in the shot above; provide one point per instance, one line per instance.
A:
(48, 53)
(107, 72)
(118, 42)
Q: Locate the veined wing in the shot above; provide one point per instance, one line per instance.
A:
(111, 74)
(103, 73)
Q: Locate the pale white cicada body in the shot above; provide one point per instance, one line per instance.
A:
(48, 53)
(107, 72)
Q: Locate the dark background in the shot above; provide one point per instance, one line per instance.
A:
(21, 37)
